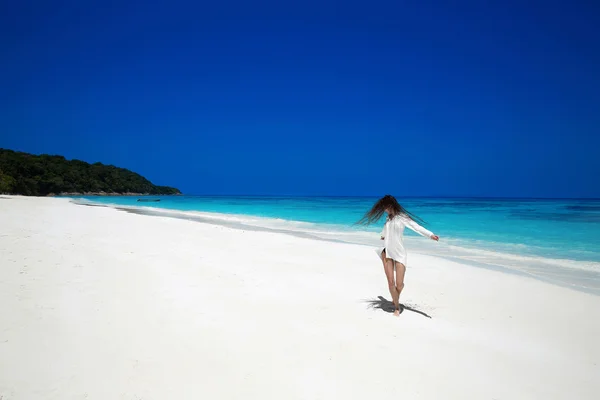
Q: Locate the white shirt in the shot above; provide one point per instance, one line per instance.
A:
(393, 234)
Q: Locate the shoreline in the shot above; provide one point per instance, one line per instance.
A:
(578, 280)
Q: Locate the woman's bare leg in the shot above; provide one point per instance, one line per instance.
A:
(389, 273)
(382, 255)
(388, 267)
(400, 272)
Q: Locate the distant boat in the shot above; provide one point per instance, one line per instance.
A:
(148, 200)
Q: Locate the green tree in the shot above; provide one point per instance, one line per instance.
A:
(27, 174)
(7, 183)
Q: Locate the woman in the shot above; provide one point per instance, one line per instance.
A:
(393, 255)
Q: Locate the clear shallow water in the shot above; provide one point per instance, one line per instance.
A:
(553, 240)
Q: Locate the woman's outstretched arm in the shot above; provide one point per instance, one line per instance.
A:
(418, 228)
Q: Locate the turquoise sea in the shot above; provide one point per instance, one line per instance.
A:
(554, 240)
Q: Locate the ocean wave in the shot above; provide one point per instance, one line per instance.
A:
(522, 260)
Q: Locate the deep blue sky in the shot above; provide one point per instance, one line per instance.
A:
(413, 98)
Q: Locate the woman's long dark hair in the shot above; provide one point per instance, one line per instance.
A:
(387, 201)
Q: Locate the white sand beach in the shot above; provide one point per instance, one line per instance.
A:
(97, 303)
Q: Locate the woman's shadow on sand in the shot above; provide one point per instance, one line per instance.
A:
(387, 306)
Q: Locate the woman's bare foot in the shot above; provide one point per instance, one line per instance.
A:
(398, 310)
